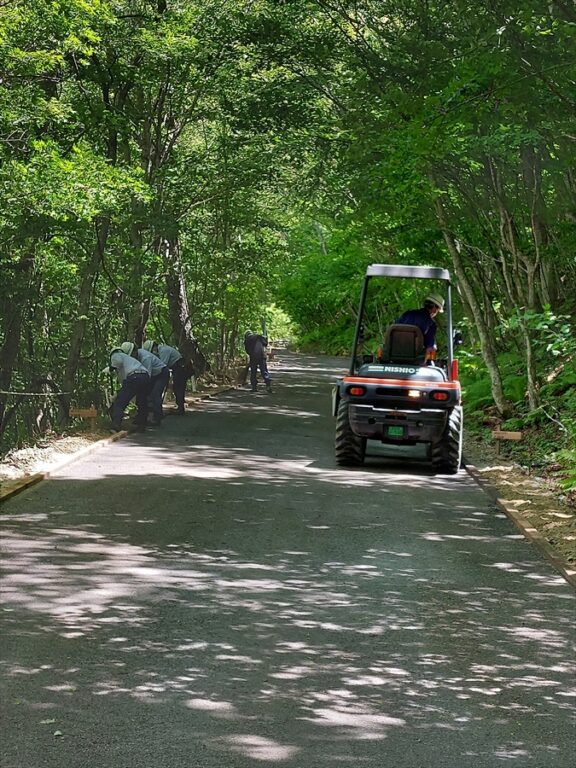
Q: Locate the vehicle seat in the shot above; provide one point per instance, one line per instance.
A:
(403, 344)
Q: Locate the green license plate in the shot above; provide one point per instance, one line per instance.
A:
(395, 431)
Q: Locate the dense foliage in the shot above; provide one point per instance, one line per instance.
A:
(170, 168)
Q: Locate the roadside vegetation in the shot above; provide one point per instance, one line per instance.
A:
(184, 169)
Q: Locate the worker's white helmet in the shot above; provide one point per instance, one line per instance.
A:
(127, 347)
(435, 299)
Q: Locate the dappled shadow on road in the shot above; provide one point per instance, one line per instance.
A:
(226, 627)
(263, 607)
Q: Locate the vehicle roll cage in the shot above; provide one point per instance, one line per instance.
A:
(415, 273)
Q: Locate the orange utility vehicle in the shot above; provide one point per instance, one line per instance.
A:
(398, 397)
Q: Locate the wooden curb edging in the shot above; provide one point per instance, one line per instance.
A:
(12, 487)
(528, 530)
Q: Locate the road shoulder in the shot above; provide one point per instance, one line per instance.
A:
(533, 505)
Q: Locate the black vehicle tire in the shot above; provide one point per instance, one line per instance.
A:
(447, 452)
(350, 449)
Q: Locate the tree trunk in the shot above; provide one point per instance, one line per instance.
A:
(138, 320)
(12, 333)
(84, 302)
(486, 339)
(547, 277)
(178, 305)
(532, 377)
(139, 314)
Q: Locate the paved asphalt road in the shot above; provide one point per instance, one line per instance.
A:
(218, 594)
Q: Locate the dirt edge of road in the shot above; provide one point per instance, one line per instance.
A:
(543, 519)
(529, 530)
